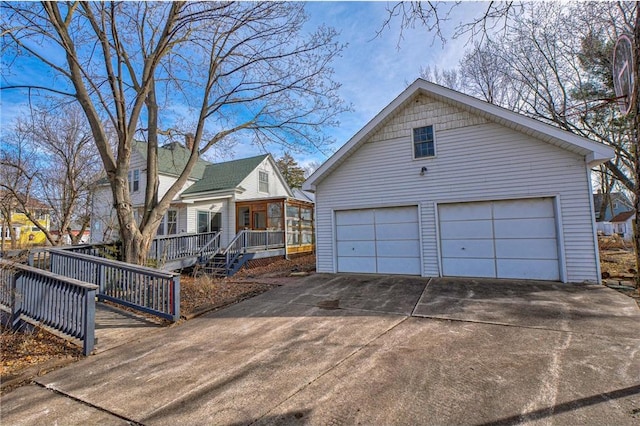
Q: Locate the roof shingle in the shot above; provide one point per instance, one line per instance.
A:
(227, 175)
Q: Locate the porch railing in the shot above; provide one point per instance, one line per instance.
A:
(263, 239)
(145, 289)
(38, 297)
(173, 247)
(251, 240)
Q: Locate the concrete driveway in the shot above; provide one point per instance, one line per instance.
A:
(349, 349)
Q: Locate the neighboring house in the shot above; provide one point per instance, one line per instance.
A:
(442, 184)
(13, 220)
(623, 224)
(66, 236)
(248, 193)
(614, 204)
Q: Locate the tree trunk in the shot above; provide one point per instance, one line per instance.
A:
(635, 111)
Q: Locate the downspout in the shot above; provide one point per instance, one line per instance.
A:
(593, 224)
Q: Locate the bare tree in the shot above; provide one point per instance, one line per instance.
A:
(450, 78)
(244, 67)
(69, 165)
(19, 183)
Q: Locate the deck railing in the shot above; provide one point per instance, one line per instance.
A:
(38, 297)
(145, 289)
(263, 239)
(173, 247)
(252, 240)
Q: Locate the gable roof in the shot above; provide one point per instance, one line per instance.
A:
(623, 217)
(594, 152)
(227, 175)
(172, 159)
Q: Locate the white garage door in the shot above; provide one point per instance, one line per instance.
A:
(384, 241)
(499, 239)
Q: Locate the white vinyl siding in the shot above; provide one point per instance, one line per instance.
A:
(250, 184)
(475, 162)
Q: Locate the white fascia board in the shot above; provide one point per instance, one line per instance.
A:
(211, 195)
(587, 146)
(277, 170)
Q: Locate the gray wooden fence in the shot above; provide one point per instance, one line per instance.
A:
(39, 297)
(145, 289)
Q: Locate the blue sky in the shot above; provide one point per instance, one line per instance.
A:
(372, 70)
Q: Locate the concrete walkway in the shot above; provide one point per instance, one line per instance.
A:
(369, 350)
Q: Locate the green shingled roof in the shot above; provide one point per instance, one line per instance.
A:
(226, 175)
(172, 159)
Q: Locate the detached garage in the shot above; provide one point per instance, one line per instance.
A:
(443, 184)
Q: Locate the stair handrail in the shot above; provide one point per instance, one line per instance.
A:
(242, 238)
(215, 239)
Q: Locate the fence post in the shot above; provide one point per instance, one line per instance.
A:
(89, 322)
(176, 298)
(101, 278)
(17, 297)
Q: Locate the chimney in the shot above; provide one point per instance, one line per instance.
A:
(188, 141)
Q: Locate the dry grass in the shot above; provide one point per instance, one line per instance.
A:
(203, 293)
(613, 242)
(23, 349)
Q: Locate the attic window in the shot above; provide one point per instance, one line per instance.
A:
(423, 142)
(263, 181)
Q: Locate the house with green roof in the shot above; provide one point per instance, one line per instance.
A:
(227, 197)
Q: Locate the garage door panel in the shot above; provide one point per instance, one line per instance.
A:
(396, 231)
(397, 215)
(525, 228)
(357, 264)
(407, 266)
(469, 267)
(465, 211)
(354, 217)
(540, 248)
(524, 209)
(528, 269)
(473, 229)
(356, 248)
(355, 233)
(467, 248)
(402, 248)
(382, 241)
(518, 240)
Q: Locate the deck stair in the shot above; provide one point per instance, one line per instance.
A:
(246, 245)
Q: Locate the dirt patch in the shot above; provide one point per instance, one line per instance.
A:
(35, 350)
(618, 266)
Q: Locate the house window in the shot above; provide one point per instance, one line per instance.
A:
(263, 181)
(134, 180)
(209, 221)
(172, 222)
(169, 224)
(423, 143)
